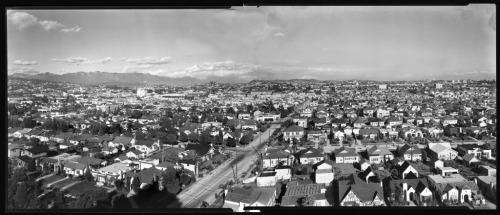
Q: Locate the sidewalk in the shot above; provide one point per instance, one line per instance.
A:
(44, 177)
(70, 185)
(55, 182)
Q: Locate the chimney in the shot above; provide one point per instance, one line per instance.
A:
(405, 187)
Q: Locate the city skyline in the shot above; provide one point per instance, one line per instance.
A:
(247, 43)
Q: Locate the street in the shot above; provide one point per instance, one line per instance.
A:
(205, 188)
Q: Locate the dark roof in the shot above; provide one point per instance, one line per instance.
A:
(406, 149)
(147, 143)
(24, 158)
(294, 128)
(148, 175)
(346, 152)
(366, 192)
(38, 149)
(312, 152)
(187, 161)
(200, 148)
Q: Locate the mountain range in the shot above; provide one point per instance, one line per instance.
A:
(107, 78)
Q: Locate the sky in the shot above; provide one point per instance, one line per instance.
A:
(246, 43)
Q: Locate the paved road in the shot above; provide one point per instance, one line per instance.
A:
(205, 188)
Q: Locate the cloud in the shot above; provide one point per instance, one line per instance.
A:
(23, 70)
(22, 20)
(137, 68)
(82, 60)
(75, 29)
(279, 34)
(148, 60)
(25, 63)
(51, 25)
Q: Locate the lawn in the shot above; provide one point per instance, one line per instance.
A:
(63, 183)
(82, 187)
(51, 179)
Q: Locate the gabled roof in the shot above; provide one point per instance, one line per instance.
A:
(200, 148)
(406, 149)
(294, 128)
(38, 149)
(310, 152)
(345, 152)
(147, 143)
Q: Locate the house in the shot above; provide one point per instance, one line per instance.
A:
(266, 179)
(307, 112)
(475, 149)
(311, 156)
(381, 113)
(35, 152)
(377, 122)
(244, 115)
(295, 191)
(415, 190)
(146, 146)
(452, 187)
(346, 155)
(339, 123)
(487, 170)
(317, 136)
(135, 154)
(321, 114)
(14, 150)
(339, 135)
(11, 131)
(377, 155)
(441, 151)
(370, 133)
(406, 170)
(470, 159)
(242, 197)
(283, 172)
(22, 133)
(120, 141)
(293, 132)
(410, 152)
(146, 176)
(273, 157)
(300, 121)
(446, 171)
(393, 121)
(74, 168)
(319, 122)
(109, 174)
(106, 150)
(356, 192)
(486, 183)
(449, 121)
(189, 164)
(205, 151)
(359, 122)
(324, 172)
(369, 111)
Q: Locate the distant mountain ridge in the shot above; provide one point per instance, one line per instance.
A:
(107, 78)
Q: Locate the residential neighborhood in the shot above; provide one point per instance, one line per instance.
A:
(233, 108)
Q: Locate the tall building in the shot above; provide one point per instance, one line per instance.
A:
(439, 86)
(382, 86)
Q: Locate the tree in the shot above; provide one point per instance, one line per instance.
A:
(183, 137)
(205, 137)
(185, 179)
(140, 135)
(118, 184)
(193, 137)
(88, 175)
(307, 200)
(135, 184)
(119, 201)
(246, 139)
(395, 173)
(59, 201)
(31, 165)
(231, 142)
(20, 199)
(171, 139)
(217, 140)
(381, 174)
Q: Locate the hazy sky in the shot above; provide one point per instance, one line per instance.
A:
(337, 43)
